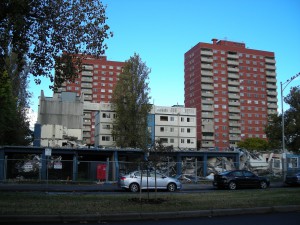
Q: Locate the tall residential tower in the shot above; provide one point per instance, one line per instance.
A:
(233, 89)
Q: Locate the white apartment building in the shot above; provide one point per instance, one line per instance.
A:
(174, 126)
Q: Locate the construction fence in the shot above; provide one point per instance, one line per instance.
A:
(188, 170)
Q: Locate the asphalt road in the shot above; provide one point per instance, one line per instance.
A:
(290, 218)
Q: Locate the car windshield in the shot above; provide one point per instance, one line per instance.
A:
(225, 173)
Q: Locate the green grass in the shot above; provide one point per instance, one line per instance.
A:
(21, 203)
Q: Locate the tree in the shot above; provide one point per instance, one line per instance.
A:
(273, 131)
(45, 30)
(291, 124)
(292, 120)
(131, 102)
(14, 101)
(254, 144)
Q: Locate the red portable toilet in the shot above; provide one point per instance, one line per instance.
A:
(101, 172)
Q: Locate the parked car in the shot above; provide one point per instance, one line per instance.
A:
(293, 179)
(133, 181)
(240, 179)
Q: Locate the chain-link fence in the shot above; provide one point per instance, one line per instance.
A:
(189, 170)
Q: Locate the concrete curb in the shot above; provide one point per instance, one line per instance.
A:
(144, 216)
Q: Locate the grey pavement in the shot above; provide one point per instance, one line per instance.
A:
(111, 187)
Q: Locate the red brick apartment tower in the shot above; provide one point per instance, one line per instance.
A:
(233, 89)
(96, 81)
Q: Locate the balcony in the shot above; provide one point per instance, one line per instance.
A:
(272, 99)
(86, 85)
(209, 129)
(206, 66)
(234, 109)
(271, 67)
(233, 89)
(206, 59)
(234, 117)
(207, 101)
(87, 91)
(271, 86)
(207, 94)
(208, 138)
(272, 111)
(272, 106)
(207, 87)
(271, 79)
(207, 80)
(207, 107)
(207, 115)
(232, 56)
(206, 73)
(234, 82)
(233, 75)
(270, 73)
(233, 69)
(206, 52)
(87, 79)
(87, 67)
(207, 144)
(234, 138)
(235, 131)
(234, 103)
(234, 124)
(268, 60)
(232, 62)
(272, 93)
(233, 96)
(87, 73)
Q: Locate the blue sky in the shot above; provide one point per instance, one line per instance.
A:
(161, 31)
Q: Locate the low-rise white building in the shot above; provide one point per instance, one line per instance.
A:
(174, 126)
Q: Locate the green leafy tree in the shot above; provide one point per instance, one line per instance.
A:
(131, 102)
(14, 101)
(291, 124)
(273, 131)
(292, 120)
(254, 144)
(49, 32)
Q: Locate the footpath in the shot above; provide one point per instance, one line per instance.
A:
(113, 187)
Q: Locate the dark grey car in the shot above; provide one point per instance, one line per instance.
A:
(240, 179)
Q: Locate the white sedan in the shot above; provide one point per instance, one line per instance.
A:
(134, 181)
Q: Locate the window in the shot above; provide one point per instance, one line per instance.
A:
(162, 129)
(164, 140)
(172, 118)
(105, 115)
(105, 138)
(163, 118)
(182, 141)
(188, 130)
(171, 140)
(182, 119)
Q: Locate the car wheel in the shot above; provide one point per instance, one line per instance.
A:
(263, 185)
(232, 185)
(134, 187)
(172, 187)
